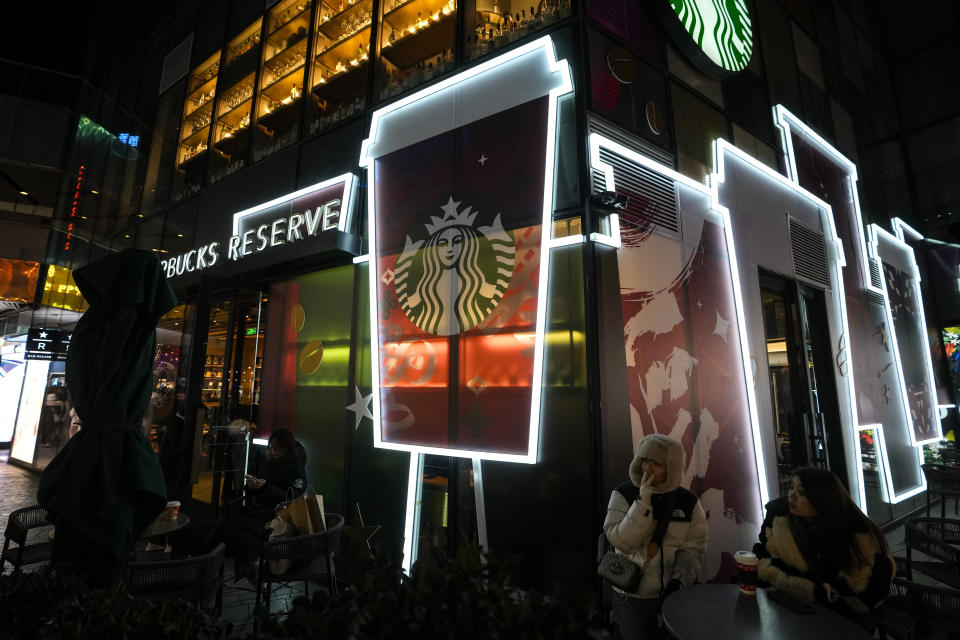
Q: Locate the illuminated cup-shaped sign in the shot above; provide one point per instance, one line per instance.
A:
(458, 174)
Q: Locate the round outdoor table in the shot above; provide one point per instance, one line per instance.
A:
(712, 611)
(162, 526)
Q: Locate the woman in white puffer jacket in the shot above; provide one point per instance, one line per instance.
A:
(652, 494)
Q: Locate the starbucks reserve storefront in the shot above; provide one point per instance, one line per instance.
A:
(469, 348)
(438, 283)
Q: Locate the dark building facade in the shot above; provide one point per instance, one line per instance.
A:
(668, 285)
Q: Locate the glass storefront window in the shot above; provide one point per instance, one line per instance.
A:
(492, 24)
(231, 133)
(281, 77)
(340, 60)
(416, 42)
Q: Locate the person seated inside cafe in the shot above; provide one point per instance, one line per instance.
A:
(661, 527)
(818, 546)
(283, 478)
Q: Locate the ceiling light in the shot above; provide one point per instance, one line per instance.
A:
(24, 193)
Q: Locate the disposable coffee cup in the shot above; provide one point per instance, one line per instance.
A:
(747, 572)
(172, 510)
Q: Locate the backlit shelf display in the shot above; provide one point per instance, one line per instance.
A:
(416, 42)
(233, 117)
(496, 23)
(198, 110)
(341, 54)
(243, 46)
(281, 78)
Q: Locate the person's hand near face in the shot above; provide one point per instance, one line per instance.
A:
(654, 473)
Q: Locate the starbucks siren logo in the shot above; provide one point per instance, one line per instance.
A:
(454, 279)
(722, 29)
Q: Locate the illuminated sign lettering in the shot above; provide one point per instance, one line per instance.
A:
(291, 218)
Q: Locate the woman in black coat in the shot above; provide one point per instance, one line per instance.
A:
(284, 478)
(818, 546)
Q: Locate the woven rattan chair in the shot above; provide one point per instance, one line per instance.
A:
(19, 525)
(198, 579)
(935, 537)
(942, 481)
(311, 558)
(914, 611)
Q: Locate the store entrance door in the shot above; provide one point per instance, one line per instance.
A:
(223, 391)
(806, 416)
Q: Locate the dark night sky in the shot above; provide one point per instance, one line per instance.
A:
(51, 35)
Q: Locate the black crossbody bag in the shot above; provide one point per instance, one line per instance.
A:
(619, 570)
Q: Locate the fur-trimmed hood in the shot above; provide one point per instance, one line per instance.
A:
(665, 450)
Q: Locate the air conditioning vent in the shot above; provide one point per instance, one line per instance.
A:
(809, 255)
(875, 273)
(653, 196)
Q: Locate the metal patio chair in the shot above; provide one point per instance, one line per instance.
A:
(18, 528)
(198, 579)
(942, 481)
(937, 538)
(914, 611)
(311, 558)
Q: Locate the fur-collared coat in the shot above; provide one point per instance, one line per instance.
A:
(784, 567)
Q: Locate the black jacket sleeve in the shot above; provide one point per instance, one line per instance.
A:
(284, 480)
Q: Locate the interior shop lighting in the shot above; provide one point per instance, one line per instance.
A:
(882, 464)
(877, 232)
(786, 123)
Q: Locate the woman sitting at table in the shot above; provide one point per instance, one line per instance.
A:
(818, 546)
(284, 478)
(653, 505)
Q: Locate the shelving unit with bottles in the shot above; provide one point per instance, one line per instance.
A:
(341, 55)
(284, 58)
(234, 108)
(212, 387)
(198, 110)
(416, 41)
(496, 23)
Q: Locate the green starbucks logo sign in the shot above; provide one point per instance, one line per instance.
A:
(452, 278)
(717, 35)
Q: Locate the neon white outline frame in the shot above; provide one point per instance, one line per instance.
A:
(345, 201)
(721, 147)
(875, 233)
(596, 142)
(901, 229)
(786, 123)
(554, 67)
(613, 239)
(566, 241)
